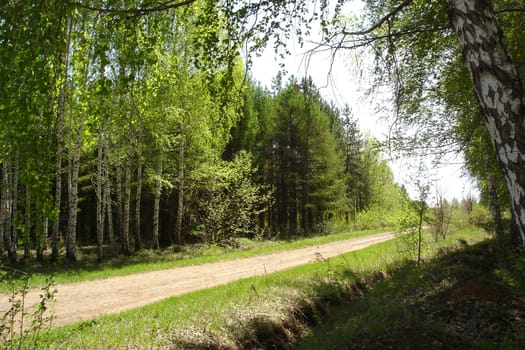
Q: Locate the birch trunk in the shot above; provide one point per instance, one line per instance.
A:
(4, 209)
(71, 241)
(118, 190)
(156, 203)
(138, 194)
(13, 232)
(180, 206)
(41, 234)
(27, 224)
(126, 203)
(499, 90)
(61, 113)
(107, 196)
(100, 196)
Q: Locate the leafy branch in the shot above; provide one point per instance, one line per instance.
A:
(163, 6)
(15, 333)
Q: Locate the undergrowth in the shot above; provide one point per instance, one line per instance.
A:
(21, 324)
(470, 297)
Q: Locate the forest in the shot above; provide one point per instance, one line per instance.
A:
(112, 136)
(135, 124)
(154, 194)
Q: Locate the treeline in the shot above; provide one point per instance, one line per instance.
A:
(115, 134)
(312, 156)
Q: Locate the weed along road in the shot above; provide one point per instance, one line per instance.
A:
(85, 300)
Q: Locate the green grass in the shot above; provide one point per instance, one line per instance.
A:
(389, 313)
(225, 314)
(88, 268)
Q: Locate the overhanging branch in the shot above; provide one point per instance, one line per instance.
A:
(507, 10)
(163, 6)
(381, 21)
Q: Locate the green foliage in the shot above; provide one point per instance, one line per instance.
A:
(388, 204)
(20, 326)
(322, 170)
(480, 215)
(228, 201)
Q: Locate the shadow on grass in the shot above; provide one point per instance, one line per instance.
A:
(464, 299)
(469, 297)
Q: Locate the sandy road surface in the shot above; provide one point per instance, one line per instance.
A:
(84, 300)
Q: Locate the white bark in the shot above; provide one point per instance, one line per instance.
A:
(499, 90)
(138, 199)
(4, 209)
(107, 195)
(100, 206)
(61, 114)
(74, 165)
(180, 206)
(156, 204)
(27, 224)
(13, 238)
(118, 192)
(126, 201)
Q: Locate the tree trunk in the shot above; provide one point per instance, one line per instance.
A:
(27, 224)
(180, 206)
(99, 188)
(41, 234)
(5, 211)
(74, 165)
(499, 90)
(156, 205)
(4, 207)
(13, 232)
(107, 196)
(61, 113)
(138, 195)
(126, 203)
(118, 192)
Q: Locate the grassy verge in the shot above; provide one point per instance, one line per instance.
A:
(473, 298)
(88, 268)
(272, 311)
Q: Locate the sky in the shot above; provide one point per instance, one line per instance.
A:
(347, 83)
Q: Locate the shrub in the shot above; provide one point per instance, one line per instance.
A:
(229, 202)
(20, 328)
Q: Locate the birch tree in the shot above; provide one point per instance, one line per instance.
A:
(409, 37)
(499, 90)
(78, 114)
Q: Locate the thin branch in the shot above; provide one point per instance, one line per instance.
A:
(367, 40)
(381, 21)
(136, 11)
(510, 10)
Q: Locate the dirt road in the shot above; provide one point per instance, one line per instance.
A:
(85, 300)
